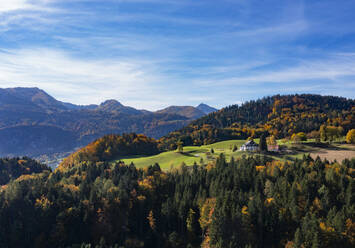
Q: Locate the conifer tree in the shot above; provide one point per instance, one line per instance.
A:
(262, 143)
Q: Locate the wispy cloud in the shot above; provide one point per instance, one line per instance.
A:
(77, 80)
(334, 67)
(177, 51)
(26, 14)
(11, 5)
(284, 29)
(7, 6)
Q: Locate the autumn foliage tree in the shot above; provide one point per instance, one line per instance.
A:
(350, 136)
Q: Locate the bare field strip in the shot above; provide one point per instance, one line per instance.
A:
(340, 154)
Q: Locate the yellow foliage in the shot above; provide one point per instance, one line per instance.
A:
(350, 137)
(245, 210)
(206, 242)
(147, 183)
(210, 166)
(151, 220)
(71, 187)
(206, 212)
(113, 190)
(271, 166)
(317, 203)
(43, 203)
(69, 210)
(326, 228)
(268, 201)
(141, 198)
(350, 230)
(28, 177)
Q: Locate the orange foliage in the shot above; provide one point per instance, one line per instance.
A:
(151, 220)
(326, 228)
(260, 168)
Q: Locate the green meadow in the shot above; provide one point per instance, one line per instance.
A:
(189, 156)
(192, 154)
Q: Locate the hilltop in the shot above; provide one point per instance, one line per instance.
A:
(280, 116)
(110, 146)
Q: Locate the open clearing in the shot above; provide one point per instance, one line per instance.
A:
(339, 153)
(192, 154)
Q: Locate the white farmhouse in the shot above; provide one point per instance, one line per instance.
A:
(250, 146)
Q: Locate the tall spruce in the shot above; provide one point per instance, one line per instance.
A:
(262, 143)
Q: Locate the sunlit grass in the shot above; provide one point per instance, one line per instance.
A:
(198, 154)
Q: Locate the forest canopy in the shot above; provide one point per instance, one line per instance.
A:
(250, 202)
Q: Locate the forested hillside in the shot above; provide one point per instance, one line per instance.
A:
(280, 116)
(113, 146)
(250, 202)
(12, 168)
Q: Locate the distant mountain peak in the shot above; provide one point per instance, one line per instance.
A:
(36, 97)
(206, 108)
(113, 105)
(27, 93)
(186, 111)
(111, 102)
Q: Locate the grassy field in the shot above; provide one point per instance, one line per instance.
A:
(192, 154)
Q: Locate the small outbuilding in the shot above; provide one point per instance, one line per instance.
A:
(273, 148)
(250, 146)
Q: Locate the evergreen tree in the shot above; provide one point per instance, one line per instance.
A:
(323, 133)
(262, 143)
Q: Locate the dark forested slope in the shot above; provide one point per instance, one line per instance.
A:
(251, 202)
(12, 168)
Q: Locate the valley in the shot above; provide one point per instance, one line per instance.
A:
(177, 124)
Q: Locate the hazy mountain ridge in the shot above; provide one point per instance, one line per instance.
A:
(34, 123)
(187, 111)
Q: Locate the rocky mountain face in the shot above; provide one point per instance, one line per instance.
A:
(33, 123)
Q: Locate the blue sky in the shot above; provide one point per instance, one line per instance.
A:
(154, 53)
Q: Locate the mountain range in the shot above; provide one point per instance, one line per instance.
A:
(34, 123)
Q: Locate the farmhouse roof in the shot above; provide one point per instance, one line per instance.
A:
(250, 143)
